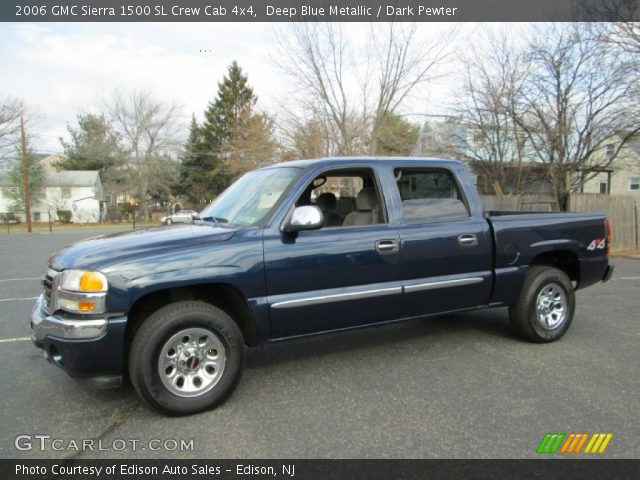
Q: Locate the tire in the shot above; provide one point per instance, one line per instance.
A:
(168, 221)
(546, 305)
(193, 341)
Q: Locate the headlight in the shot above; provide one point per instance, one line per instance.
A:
(83, 281)
(82, 291)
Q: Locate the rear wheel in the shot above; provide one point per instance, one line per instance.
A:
(546, 305)
(168, 221)
(186, 357)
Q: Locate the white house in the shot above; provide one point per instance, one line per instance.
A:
(623, 175)
(79, 191)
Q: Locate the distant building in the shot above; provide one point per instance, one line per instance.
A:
(461, 142)
(78, 191)
(623, 175)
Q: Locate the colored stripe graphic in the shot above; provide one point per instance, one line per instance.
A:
(573, 443)
(598, 442)
(550, 443)
(581, 443)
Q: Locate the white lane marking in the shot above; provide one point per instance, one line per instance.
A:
(625, 278)
(16, 339)
(12, 299)
(18, 279)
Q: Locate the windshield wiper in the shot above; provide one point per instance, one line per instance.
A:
(216, 220)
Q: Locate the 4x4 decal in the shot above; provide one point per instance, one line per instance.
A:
(598, 243)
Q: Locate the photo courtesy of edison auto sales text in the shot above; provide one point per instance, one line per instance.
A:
(125, 469)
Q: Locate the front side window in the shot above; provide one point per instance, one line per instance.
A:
(249, 199)
(347, 198)
(429, 196)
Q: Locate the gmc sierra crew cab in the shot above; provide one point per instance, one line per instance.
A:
(301, 248)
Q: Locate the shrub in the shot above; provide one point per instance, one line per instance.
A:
(64, 216)
(9, 217)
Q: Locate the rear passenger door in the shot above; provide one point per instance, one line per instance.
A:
(446, 253)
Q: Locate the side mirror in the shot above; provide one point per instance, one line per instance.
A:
(307, 217)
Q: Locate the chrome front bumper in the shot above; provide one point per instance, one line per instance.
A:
(43, 325)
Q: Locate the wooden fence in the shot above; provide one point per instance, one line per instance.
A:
(623, 211)
(530, 203)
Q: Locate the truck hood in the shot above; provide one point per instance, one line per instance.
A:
(96, 252)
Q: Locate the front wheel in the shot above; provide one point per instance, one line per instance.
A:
(168, 221)
(546, 305)
(187, 357)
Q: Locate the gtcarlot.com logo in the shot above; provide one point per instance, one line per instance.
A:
(26, 442)
(574, 443)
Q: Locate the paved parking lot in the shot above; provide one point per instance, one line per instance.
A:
(459, 386)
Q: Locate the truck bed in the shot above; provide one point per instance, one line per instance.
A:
(522, 238)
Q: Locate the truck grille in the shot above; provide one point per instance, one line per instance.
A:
(47, 287)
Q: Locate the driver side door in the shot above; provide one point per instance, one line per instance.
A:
(334, 277)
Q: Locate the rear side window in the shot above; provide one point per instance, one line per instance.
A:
(430, 196)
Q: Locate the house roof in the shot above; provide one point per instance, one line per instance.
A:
(49, 162)
(71, 178)
(65, 178)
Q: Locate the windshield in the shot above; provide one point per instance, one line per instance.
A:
(249, 199)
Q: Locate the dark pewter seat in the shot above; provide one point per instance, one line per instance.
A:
(366, 209)
(327, 202)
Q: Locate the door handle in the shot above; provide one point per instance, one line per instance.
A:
(468, 240)
(386, 246)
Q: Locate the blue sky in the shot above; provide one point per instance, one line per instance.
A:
(62, 69)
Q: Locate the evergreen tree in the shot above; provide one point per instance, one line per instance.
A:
(36, 178)
(197, 168)
(93, 146)
(395, 136)
(225, 118)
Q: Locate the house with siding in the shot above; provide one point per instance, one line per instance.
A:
(79, 191)
(622, 177)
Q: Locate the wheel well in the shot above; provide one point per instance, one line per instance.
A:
(562, 259)
(224, 296)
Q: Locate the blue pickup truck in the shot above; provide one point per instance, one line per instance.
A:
(301, 248)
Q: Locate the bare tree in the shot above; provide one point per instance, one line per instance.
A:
(483, 131)
(345, 90)
(149, 131)
(615, 22)
(626, 35)
(319, 61)
(404, 65)
(576, 97)
(606, 10)
(306, 138)
(11, 109)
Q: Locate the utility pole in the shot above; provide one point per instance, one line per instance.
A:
(25, 175)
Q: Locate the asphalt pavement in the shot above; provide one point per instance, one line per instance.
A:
(458, 386)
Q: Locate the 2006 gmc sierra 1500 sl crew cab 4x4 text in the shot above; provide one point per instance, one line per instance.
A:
(300, 248)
